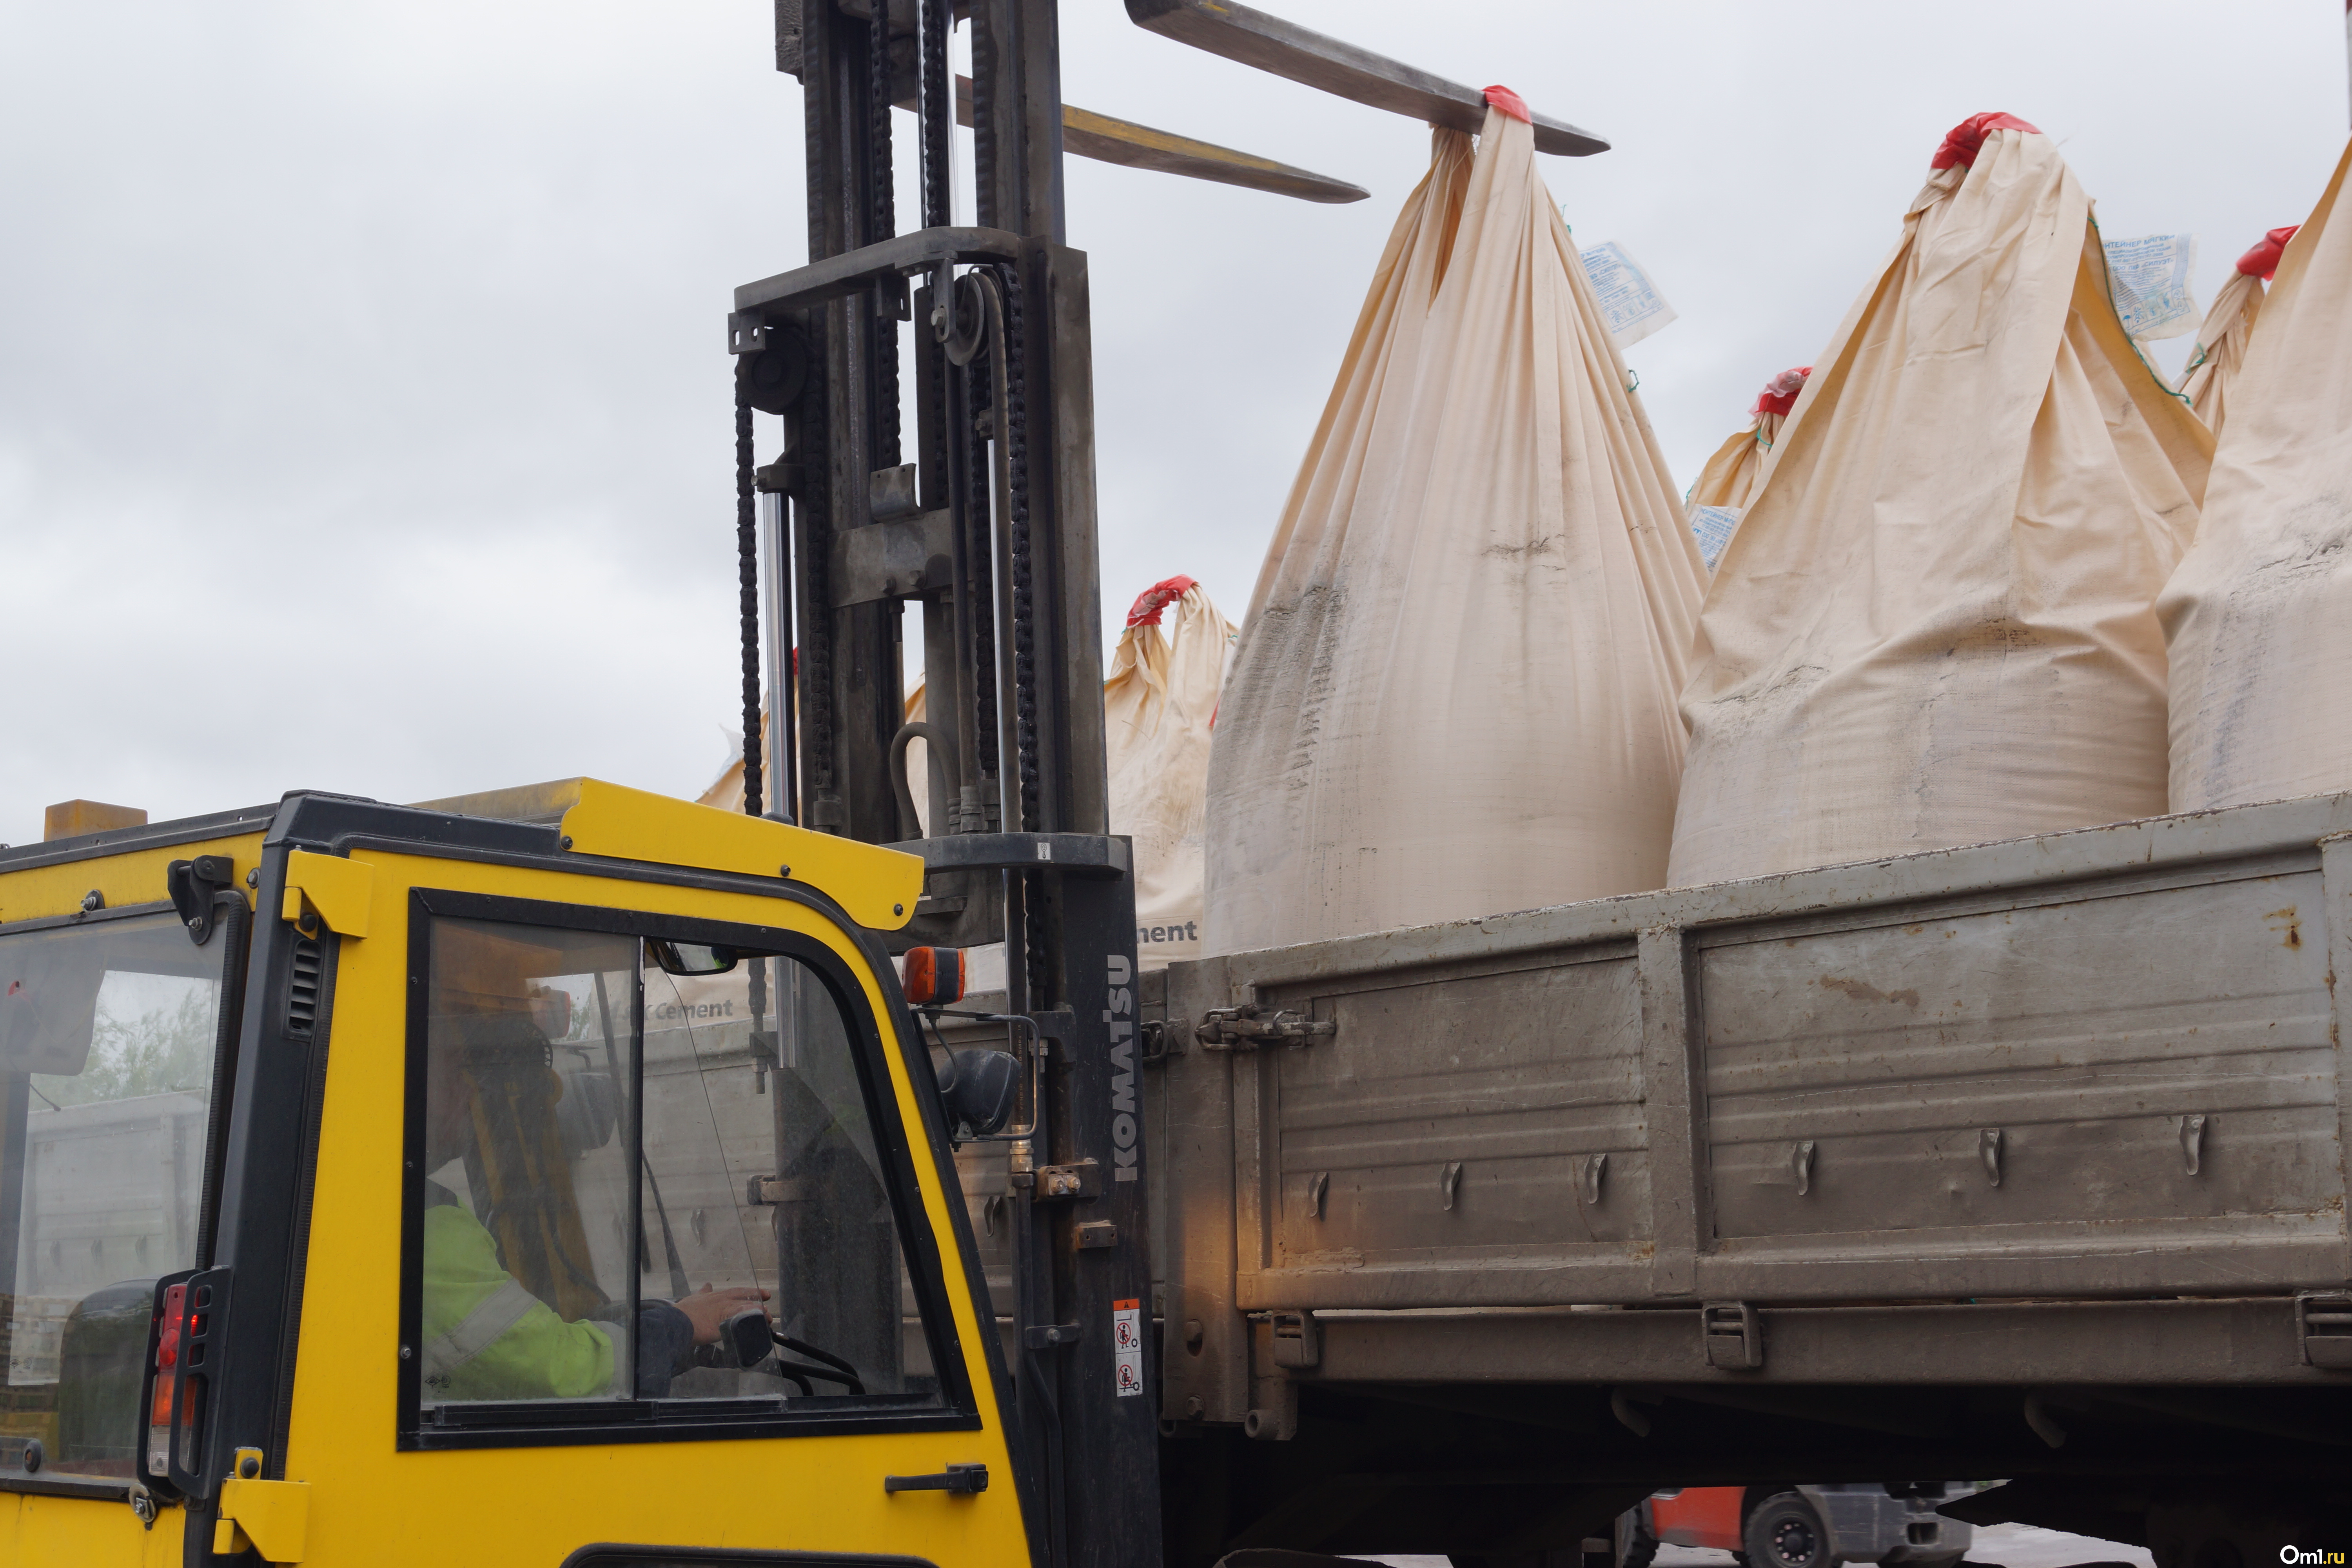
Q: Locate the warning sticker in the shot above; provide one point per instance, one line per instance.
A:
(2151, 276)
(1630, 302)
(1127, 1345)
(1713, 525)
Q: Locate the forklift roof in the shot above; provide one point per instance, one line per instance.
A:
(876, 886)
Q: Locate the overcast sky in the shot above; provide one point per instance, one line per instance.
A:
(364, 412)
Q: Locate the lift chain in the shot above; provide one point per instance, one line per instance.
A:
(885, 218)
(980, 559)
(984, 119)
(747, 567)
(1014, 431)
(813, 506)
(747, 561)
(935, 124)
(938, 110)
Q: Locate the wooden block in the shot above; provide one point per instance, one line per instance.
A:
(72, 818)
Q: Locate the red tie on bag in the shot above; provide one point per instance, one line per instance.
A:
(1779, 393)
(1510, 103)
(1156, 598)
(2263, 260)
(1964, 140)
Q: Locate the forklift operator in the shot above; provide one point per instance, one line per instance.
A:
(487, 1336)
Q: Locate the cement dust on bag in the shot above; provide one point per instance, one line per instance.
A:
(1454, 690)
(2259, 617)
(1935, 624)
(1728, 483)
(1159, 704)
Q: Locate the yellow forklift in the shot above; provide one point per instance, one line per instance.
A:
(370, 1106)
(565, 1176)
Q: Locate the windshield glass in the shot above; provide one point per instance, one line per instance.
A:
(105, 1061)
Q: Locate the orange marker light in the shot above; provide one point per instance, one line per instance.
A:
(934, 976)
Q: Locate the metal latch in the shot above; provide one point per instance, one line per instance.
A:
(1082, 1179)
(1733, 1335)
(2322, 1329)
(1297, 1339)
(760, 1192)
(1251, 1025)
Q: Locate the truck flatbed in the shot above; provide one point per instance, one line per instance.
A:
(2064, 1111)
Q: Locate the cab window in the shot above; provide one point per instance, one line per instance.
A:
(647, 1176)
(107, 1037)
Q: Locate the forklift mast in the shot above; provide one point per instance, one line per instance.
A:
(987, 526)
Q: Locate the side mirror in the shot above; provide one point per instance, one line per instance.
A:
(980, 1088)
(589, 1113)
(691, 957)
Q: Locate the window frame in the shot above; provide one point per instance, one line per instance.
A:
(15, 1110)
(632, 1420)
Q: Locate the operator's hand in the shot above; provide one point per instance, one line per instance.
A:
(707, 1308)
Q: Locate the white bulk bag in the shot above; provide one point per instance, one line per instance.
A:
(1159, 704)
(1736, 472)
(2259, 616)
(1455, 691)
(1936, 625)
(2221, 350)
(1728, 483)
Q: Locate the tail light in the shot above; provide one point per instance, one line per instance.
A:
(190, 1312)
(171, 1341)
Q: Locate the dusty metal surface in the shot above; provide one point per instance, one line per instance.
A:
(2091, 1064)
(2054, 1344)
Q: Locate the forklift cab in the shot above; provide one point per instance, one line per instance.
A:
(361, 1167)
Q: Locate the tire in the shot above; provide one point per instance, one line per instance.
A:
(1783, 1531)
(1641, 1548)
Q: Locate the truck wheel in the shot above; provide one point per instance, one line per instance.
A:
(1783, 1531)
(1641, 1548)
